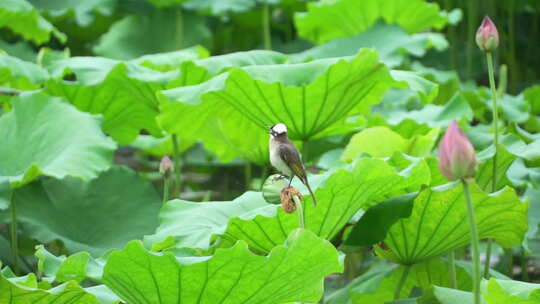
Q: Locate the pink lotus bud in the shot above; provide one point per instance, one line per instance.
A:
(487, 37)
(166, 167)
(457, 158)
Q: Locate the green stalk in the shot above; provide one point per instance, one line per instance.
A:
(165, 189)
(177, 167)
(247, 174)
(471, 16)
(266, 26)
(489, 58)
(474, 243)
(488, 259)
(298, 204)
(452, 264)
(401, 282)
(510, 257)
(13, 231)
(524, 271)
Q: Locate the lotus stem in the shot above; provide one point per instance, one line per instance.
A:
(248, 168)
(471, 16)
(474, 242)
(13, 231)
(404, 275)
(298, 204)
(266, 26)
(524, 271)
(489, 58)
(452, 266)
(166, 181)
(177, 167)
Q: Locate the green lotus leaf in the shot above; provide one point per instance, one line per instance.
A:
(171, 60)
(192, 224)
(509, 291)
(438, 223)
(51, 209)
(457, 108)
(159, 146)
(313, 99)
(391, 42)
(532, 96)
(20, 74)
(372, 227)
(369, 141)
(82, 11)
(122, 92)
(380, 288)
(484, 172)
(224, 6)
(137, 35)
(327, 20)
(291, 272)
(22, 18)
(343, 194)
(76, 267)
(514, 145)
(25, 290)
(45, 136)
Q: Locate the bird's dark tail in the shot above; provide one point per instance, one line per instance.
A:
(305, 181)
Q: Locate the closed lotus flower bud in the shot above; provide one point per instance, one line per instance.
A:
(287, 198)
(457, 159)
(487, 37)
(166, 167)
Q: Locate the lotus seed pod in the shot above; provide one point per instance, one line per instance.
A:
(457, 158)
(287, 198)
(487, 37)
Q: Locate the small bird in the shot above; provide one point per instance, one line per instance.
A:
(285, 157)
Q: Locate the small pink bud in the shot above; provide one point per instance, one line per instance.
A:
(457, 158)
(487, 37)
(166, 167)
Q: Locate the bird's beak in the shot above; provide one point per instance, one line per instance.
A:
(269, 129)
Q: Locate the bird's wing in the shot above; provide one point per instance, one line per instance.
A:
(291, 157)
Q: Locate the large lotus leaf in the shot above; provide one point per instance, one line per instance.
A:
(484, 172)
(392, 43)
(380, 288)
(369, 141)
(22, 18)
(457, 108)
(344, 193)
(122, 92)
(508, 291)
(95, 216)
(291, 272)
(83, 11)
(44, 136)
(311, 98)
(221, 7)
(138, 35)
(25, 290)
(327, 20)
(171, 60)
(20, 74)
(76, 267)
(514, 145)
(192, 224)
(532, 96)
(372, 227)
(438, 223)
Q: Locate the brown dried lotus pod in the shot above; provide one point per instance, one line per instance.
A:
(287, 201)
